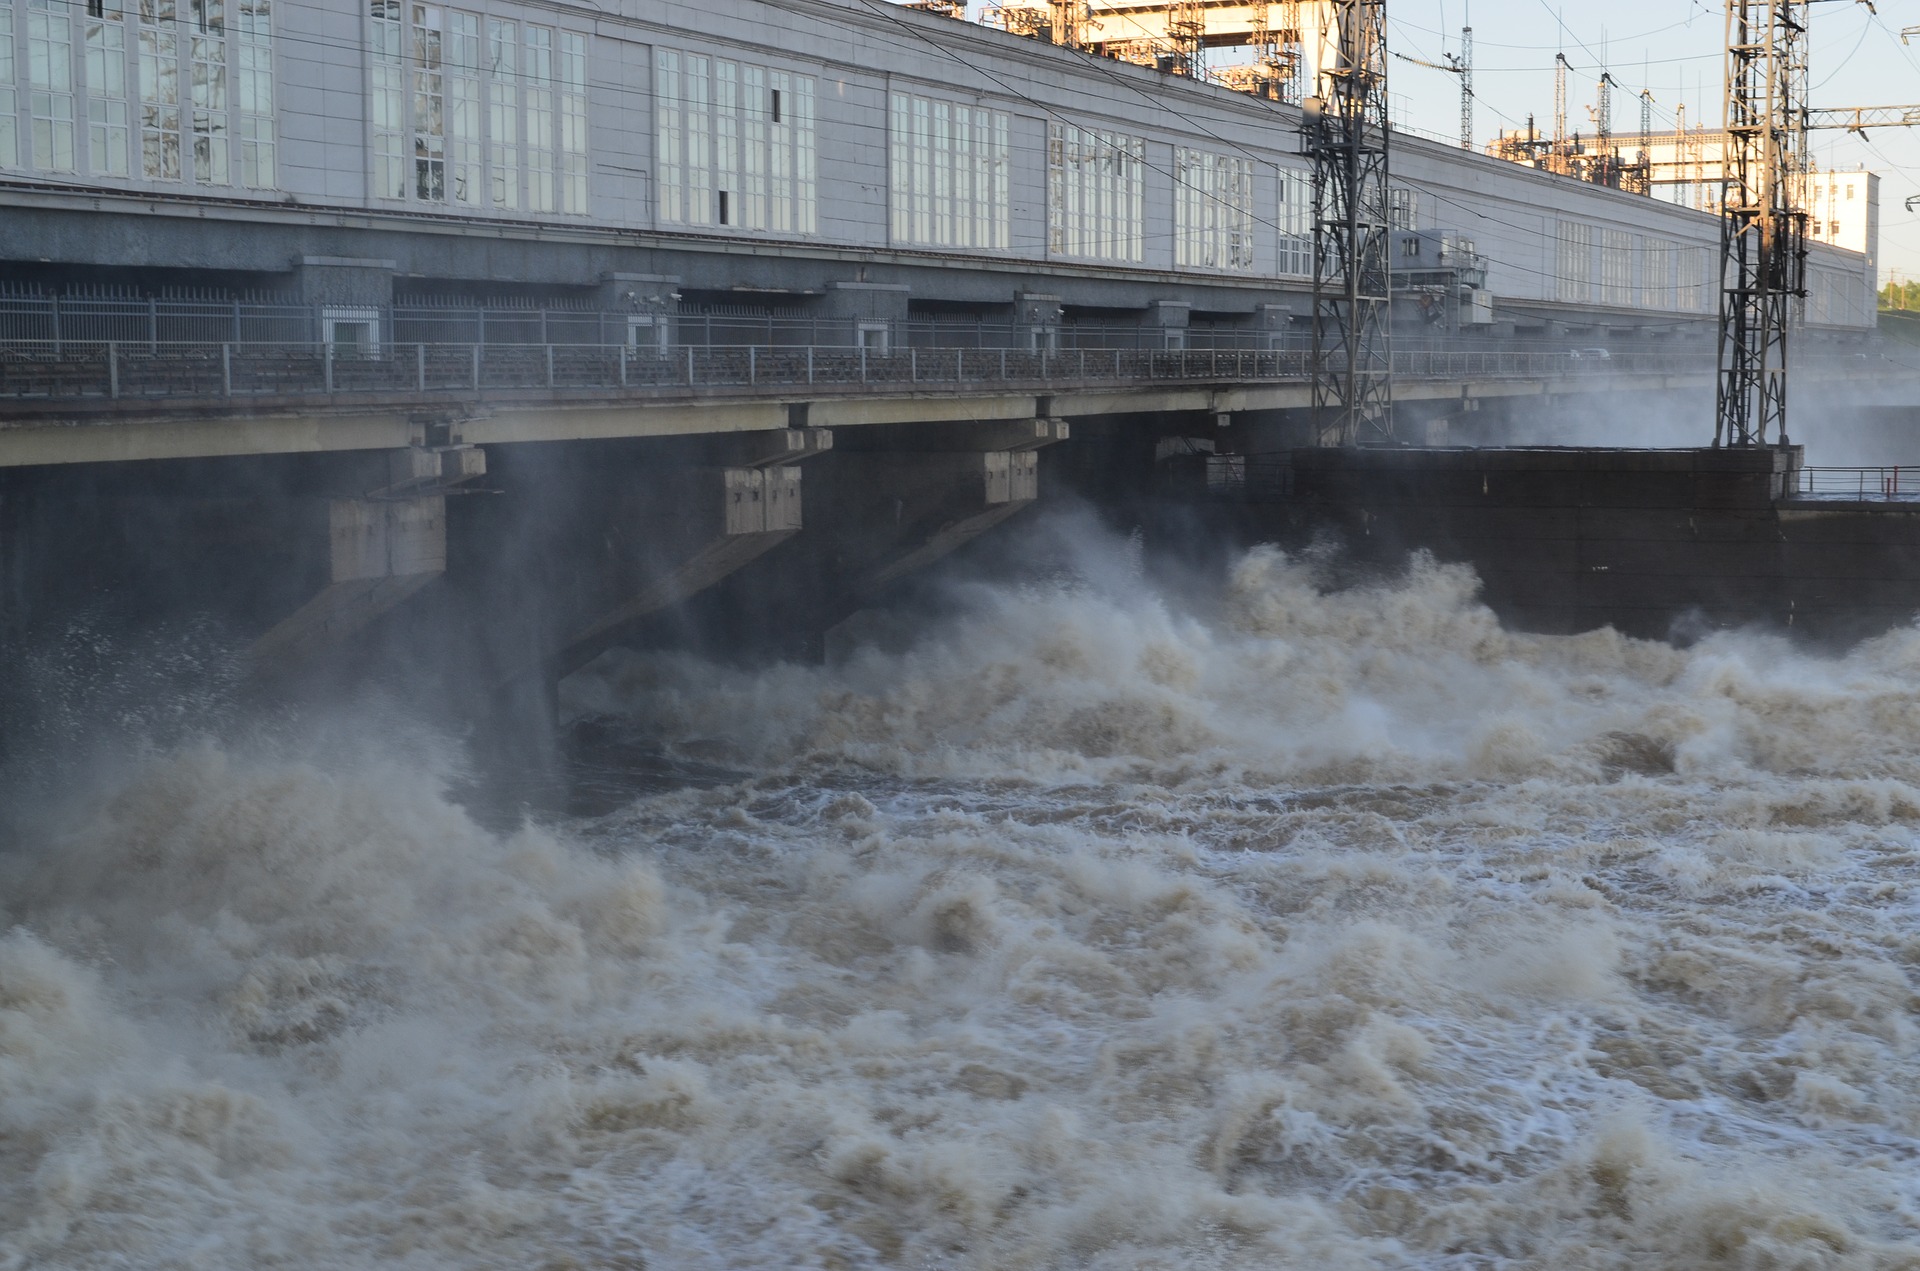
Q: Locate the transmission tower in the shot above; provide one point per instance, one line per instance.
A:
(1465, 63)
(1345, 130)
(1562, 148)
(1187, 33)
(1603, 114)
(1293, 48)
(1643, 160)
(1763, 253)
(1068, 22)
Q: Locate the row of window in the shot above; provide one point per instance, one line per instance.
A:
(160, 93)
(952, 171)
(1671, 276)
(1096, 194)
(472, 110)
(734, 144)
(477, 111)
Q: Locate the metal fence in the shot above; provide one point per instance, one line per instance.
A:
(127, 320)
(144, 369)
(1860, 483)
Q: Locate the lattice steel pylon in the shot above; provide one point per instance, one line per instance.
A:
(1763, 252)
(1345, 130)
(1562, 146)
(1465, 63)
(1187, 34)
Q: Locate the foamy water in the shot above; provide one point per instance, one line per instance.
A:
(1292, 930)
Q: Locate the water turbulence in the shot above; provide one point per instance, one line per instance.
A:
(1303, 928)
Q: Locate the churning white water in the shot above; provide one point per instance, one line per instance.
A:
(1296, 930)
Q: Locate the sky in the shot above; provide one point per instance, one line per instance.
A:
(1674, 48)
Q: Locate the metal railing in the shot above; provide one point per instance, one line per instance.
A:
(142, 369)
(1862, 484)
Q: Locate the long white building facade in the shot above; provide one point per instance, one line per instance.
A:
(784, 152)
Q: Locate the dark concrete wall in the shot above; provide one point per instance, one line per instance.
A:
(1656, 543)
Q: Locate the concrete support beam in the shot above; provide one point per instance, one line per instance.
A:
(714, 522)
(953, 435)
(380, 552)
(946, 540)
(315, 432)
(709, 563)
(785, 445)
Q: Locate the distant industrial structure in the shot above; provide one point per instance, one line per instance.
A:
(1276, 47)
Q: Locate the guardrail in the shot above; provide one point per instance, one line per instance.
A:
(111, 370)
(1895, 482)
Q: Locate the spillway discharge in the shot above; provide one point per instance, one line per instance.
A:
(1301, 928)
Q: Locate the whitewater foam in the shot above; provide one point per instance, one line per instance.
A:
(1308, 928)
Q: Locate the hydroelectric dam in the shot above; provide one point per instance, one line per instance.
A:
(810, 634)
(494, 340)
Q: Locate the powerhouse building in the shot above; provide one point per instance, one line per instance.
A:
(849, 161)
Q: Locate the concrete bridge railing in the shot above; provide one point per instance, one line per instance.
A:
(111, 371)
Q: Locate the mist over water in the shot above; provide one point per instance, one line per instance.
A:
(1099, 924)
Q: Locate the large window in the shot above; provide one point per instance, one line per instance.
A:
(9, 104)
(1573, 266)
(388, 108)
(735, 144)
(1096, 193)
(1403, 208)
(50, 81)
(254, 94)
(1656, 274)
(106, 72)
(429, 103)
(1212, 211)
(951, 174)
(503, 111)
(469, 110)
(207, 44)
(1616, 267)
(573, 122)
(539, 86)
(1696, 294)
(118, 89)
(1296, 224)
(159, 91)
